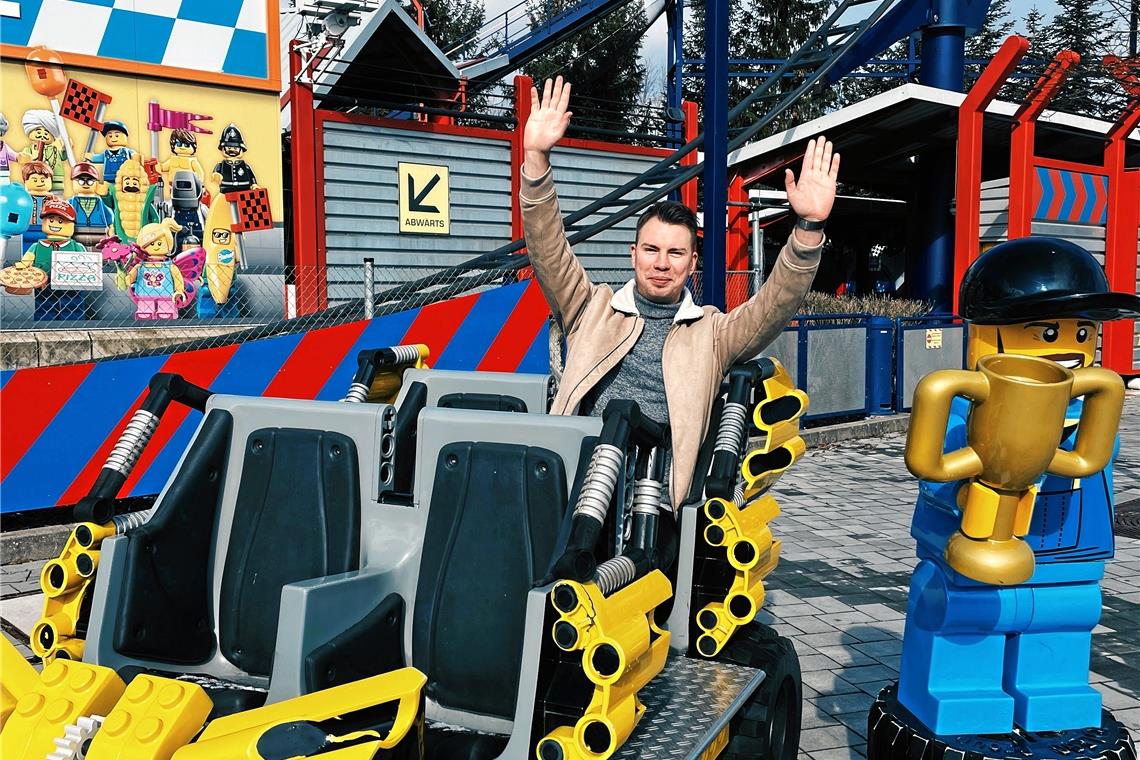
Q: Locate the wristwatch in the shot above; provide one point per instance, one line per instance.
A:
(808, 225)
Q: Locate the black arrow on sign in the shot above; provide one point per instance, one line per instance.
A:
(416, 203)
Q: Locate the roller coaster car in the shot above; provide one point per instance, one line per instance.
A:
(446, 572)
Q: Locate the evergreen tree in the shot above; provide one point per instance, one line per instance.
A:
(602, 62)
(1081, 26)
(852, 89)
(760, 29)
(998, 25)
(1036, 31)
(448, 22)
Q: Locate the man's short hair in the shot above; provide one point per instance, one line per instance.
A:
(669, 212)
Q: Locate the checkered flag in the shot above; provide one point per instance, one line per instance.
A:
(84, 104)
(253, 210)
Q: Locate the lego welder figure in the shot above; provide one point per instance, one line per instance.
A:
(980, 658)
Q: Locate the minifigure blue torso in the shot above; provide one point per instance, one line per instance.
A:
(1071, 529)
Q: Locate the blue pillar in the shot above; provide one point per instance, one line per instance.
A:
(716, 151)
(930, 253)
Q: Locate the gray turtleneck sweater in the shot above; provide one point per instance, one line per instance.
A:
(638, 376)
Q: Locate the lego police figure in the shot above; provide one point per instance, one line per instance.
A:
(233, 173)
(992, 657)
(58, 224)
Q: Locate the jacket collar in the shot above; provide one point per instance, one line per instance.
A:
(623, 301)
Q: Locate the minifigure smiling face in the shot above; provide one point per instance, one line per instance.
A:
(220, 236)
(115, 139)
(37, 178)
(57, 227)
(232, 151)
(158, 248)
(1069, 342)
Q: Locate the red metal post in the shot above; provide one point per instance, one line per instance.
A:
(689, 189)
(308, 193)
(736, 244)
(1021, 151)
(967, 194)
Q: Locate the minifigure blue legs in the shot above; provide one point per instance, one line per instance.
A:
(979, 659)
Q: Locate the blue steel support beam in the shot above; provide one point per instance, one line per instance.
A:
(930, 255)
(675, 65)
(716, 151)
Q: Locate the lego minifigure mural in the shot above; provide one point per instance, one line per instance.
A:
(130, 148)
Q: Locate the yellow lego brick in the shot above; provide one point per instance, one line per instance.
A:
(17, 677)
(155, 717)
(65, 691)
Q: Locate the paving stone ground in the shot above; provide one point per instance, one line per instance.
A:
(840, 589)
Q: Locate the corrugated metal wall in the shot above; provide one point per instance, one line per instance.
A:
(361, 202)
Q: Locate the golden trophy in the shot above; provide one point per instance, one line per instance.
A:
(1015, 425)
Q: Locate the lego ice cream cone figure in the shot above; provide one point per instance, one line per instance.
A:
(133, 197)
(986, 656)
(155, 282)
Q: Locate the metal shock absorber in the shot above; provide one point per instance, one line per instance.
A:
(730, 433)
(601, 479)
(127, 449)
(615, 573)
(369, 362)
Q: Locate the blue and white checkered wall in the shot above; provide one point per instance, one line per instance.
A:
(218, 36)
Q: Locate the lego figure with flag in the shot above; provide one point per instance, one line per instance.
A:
(233, 173)
(116, 153)
(183, 158)
(42, 131)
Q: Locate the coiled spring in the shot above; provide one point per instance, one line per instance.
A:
(730, 435)
(357, 394)
(647, 497)
(614, 574)
(406, 354)
(601, 479)
(132, 441)
(128, 522)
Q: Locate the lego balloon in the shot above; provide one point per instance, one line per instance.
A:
(15, 211)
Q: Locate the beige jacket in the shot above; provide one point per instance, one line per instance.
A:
(602, 326)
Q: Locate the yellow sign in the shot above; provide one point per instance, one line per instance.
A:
(934, 338)
(424, 199)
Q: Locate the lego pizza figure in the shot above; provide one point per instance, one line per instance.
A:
(42, 130)
(116, 153)
(93, 219)
(58, 226)
(984, 657)
(132, 197)
(232, 173)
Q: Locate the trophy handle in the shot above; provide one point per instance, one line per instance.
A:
(1096, 431)
(928, 419)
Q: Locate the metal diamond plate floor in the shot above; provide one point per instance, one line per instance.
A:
(686, 706)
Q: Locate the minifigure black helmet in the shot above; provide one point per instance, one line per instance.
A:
(1035, 277)
(231, 138)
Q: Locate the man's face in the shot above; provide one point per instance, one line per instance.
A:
(132, 185)
(115, 139)
(181, 149)
(84, 184)
(220, 237)
(663, 258)
(232, 151)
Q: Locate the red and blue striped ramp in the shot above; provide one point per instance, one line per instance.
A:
(60, 423)
(1067, 196)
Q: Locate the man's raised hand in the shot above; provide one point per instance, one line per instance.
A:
(813, 195)
(546, 125)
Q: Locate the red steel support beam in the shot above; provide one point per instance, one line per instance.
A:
(971, 116)
(1021, 151)
(689, 189)
(736, 244)
(308, 193)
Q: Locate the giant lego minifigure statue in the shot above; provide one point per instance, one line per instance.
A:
(993, 651)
